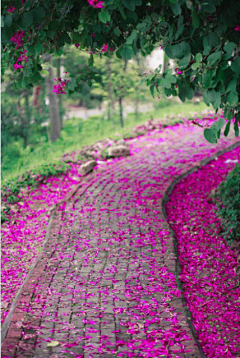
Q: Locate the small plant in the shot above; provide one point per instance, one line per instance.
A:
(228, 203)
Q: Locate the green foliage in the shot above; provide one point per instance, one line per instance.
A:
(228, 203)
(201, 37)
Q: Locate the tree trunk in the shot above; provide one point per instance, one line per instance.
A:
(120, 111)
(110, 91)
(54, 106)
(59, 97)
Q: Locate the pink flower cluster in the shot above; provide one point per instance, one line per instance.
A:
(59, 88)
(104, 48)
(237, 28)
(11, 9)
(96, 3)
(17, 38)
(21, 58)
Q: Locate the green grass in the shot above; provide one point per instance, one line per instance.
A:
(77, 133)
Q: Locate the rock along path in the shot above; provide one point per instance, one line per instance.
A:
(105, 284)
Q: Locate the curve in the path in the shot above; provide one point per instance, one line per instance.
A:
(105, 286)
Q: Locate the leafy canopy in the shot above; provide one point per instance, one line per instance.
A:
(202, 37)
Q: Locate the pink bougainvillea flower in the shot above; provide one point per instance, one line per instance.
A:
(17, 38)
(96, 3)
(104, 48)
(237, 28)
(11, 8)
(59, 88)
(77, 45)
(16, 66)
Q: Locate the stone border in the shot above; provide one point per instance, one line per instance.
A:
(175, 242)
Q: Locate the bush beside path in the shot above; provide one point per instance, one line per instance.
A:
(105, 283)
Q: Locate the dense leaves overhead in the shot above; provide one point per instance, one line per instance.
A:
(202, 37)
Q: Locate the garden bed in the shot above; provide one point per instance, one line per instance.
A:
(209, 276)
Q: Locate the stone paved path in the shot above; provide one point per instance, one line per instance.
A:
(105, 285)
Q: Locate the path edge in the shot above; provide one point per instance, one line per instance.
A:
(165, 200)
(52, 211)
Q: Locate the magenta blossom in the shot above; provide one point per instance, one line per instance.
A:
(96, 3)
(104, 48)
(237, 28)
(178, 71)
(18, 38)
(11, 9)
(16, 66)
(59, 88)
(22, 57)
(77, 45)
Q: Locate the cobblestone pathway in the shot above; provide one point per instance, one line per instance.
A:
(105, 285)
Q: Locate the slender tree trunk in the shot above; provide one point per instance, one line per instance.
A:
(26, 122)
(59, 97)
(54, 106)
(120, 111)
(110, 91)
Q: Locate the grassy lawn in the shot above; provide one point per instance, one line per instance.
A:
(77, 133)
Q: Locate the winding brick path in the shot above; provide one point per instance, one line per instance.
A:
(105, 285)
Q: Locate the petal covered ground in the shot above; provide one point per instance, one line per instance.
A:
(105, 284)
(210, 283)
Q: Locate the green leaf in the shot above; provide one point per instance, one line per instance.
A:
(27, 20)
(209, 135)
(2, 21)
(126, 52)
(195, 19)
(38, 48)
(176, 8)
(229, 48)
(207, 79)
(121, 9)
(152, 90)
(214, 57)
(208, 7)
(8, 20)
(179, 31)
(232, 85)
(39, 13)
(232, 98)
(227, 129)
(184, 61)
(117, 32)
(214, 98)
(104, 16)
(132, 37)
(236, 128)
(72, 84)
(195, 66)
(198, 57)
(130, 5)
(235, 66)
(185, 92)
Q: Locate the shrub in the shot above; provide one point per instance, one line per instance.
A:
(228, 203)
